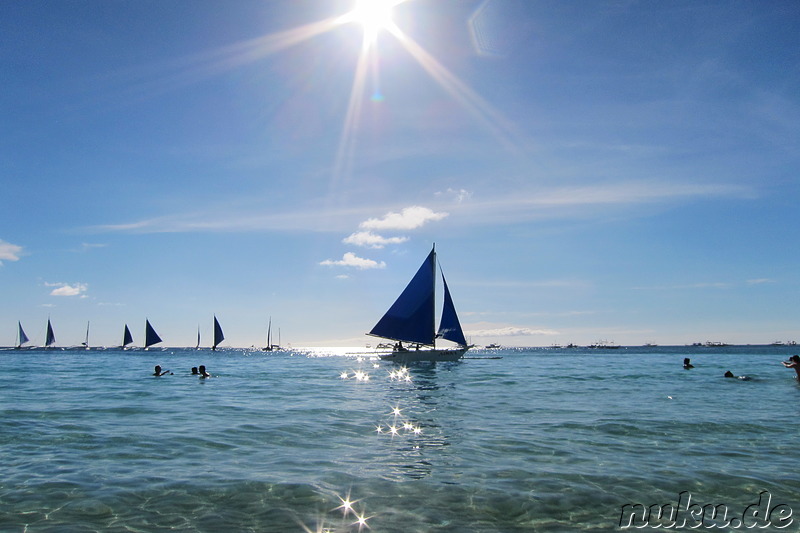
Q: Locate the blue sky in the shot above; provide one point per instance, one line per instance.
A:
(621, 171)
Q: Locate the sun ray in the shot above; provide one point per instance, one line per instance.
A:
(502, 129)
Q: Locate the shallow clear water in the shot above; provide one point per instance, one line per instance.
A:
(539, 440)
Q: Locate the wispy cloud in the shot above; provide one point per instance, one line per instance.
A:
(368, 239)
(9, 252)
(65, 289)
(518, 206)
(760, 281)
(408, 218)
(86, 246)
(510, 331)
(352, 260)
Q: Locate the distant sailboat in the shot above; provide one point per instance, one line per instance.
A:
(85, 343)
(50, 338)
(272, 347)
(127, 338)
(197, 347)
(218, 336)
(150, 335)
(22, 338)
(412, 319)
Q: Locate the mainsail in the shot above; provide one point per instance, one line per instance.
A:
(50, 339)
(218, 336)
(22, 337)
(411, 318)
(150, 335)
(127, 338)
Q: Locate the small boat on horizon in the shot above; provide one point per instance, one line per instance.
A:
(50, 336)
(21, 339)
(218, 335)
(411, 319)
(127, 338)
(269, 346)
(150, 335)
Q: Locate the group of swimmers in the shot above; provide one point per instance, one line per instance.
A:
(793, 362)
(195, 372)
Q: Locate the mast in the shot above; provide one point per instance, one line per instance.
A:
(86, 342)
(433, 253)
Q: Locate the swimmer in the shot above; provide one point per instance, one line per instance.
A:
(687, 363)
(729, 374)
(203, 373)
(158, 371)
(793, 362)
(194, 370)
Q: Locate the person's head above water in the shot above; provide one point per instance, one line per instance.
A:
(729, 374)
(194, 370)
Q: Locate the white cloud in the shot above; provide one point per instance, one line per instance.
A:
(458, 194)
(409, 218)
(9, 252)
(510, 331)
(65, 289)
(368, 239)
(350, 259)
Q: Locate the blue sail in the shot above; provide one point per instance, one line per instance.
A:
(150, 335)
(450, 327)
(218, 336)
(51, 337)
(127, 338)
(22, 337)
(411, 318)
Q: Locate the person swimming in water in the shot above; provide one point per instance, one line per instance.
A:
(793, 362)
(730, 374)
(687, 363)
(194, 370)
(158, 371)
(203, 373)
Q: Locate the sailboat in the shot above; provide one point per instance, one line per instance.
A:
(411, 319)
(150, 335)
(218, 336)
(127, 338)
(272, 347)
(85, 343)
(50, 338)
(22, 338)
(197, 347)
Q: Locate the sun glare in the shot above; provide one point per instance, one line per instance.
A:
(374, 16)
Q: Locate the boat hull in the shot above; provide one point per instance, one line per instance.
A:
(418, 356)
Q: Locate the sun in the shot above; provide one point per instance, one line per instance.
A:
(374, 16)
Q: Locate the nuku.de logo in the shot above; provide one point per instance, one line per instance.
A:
(760, 515)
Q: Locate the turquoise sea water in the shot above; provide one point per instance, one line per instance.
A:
(539, 440)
